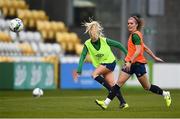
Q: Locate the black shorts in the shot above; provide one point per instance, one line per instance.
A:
(138, 68)
(110, 66)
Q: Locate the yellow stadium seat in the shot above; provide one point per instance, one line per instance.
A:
(5, 37)
(78, 48)
(22, 4)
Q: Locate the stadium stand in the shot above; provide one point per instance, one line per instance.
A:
(41, 39)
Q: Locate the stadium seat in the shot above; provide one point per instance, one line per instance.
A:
(4, 37)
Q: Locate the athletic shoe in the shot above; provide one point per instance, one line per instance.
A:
(101, 104)
(124, 106)
(168, 99)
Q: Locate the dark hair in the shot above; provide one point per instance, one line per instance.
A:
(139, 21)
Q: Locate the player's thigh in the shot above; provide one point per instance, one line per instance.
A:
(123, 77)
(109, 77)
(144, 82)
(101, 70)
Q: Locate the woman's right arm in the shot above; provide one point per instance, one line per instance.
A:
(81, 61)
(82, 58)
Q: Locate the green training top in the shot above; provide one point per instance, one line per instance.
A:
(97, 45)
(101, 55)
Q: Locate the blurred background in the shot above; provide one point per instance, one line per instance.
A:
(47, 51)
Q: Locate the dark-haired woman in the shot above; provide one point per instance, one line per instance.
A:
(135, 64)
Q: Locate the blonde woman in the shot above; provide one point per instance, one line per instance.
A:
(101, 55)
(135, 64)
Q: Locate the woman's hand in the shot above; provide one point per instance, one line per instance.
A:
(75, 75)
(158, 59)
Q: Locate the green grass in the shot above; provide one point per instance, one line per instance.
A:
(80, 104)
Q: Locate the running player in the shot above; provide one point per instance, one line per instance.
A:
(135, 64)
(101, 55)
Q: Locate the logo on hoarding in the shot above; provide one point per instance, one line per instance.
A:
(20, 75)
(50, 76)
(36, 75)
(84, 81)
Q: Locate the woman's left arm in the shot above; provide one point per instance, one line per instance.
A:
(147, 50)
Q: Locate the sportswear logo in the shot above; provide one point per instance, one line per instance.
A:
(99, 55)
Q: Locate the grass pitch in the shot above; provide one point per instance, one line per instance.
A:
(80, 104)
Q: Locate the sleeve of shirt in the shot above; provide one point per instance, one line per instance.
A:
(136, 39)
(116, 44)
(82, 58)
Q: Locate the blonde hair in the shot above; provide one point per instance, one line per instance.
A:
(98, 27)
